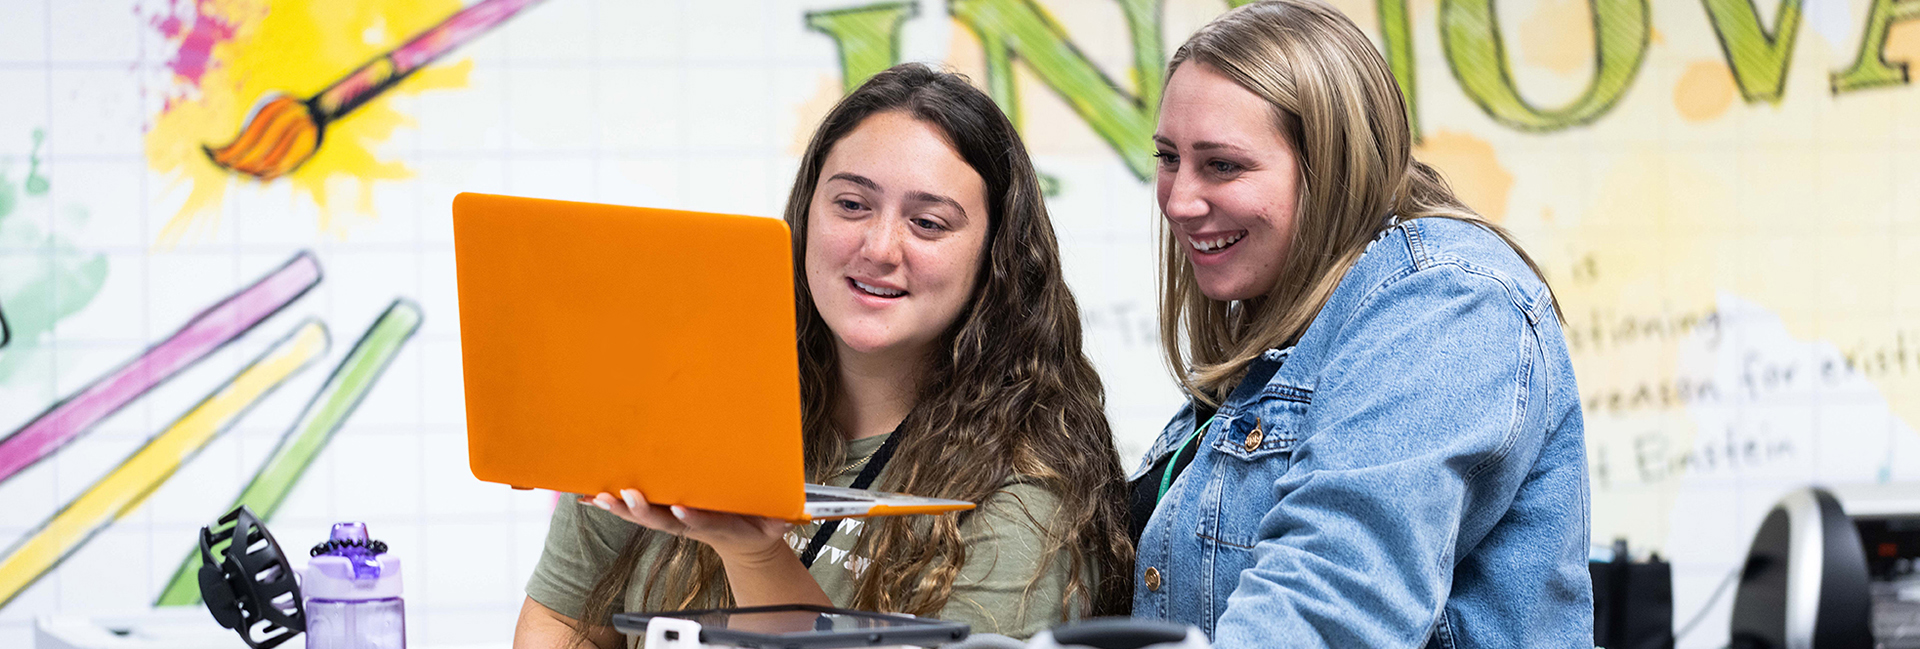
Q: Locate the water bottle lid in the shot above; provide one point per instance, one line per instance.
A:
(349, 540)
(350, 566)
(331, 577)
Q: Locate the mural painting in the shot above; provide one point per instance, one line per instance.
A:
(1722, 193)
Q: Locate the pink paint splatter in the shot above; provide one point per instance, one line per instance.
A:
(196, 27)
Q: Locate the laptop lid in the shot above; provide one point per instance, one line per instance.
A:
(611, 347)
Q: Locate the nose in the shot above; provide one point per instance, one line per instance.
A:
(1180, 196)
(880, 245)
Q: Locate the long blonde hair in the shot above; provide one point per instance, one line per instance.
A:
(1010, 394)
(1336, 103)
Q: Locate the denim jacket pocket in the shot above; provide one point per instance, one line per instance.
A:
(1253, 448)
(1268, 425)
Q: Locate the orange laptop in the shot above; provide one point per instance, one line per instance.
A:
(611, 347)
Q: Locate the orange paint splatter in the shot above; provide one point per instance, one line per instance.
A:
(1473, 168)
(1704, 92)
(1903, 42)
(826, 93)
(1558, 36)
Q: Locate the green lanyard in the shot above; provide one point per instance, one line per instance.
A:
(1166, 477)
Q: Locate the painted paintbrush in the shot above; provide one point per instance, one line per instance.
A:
(282, 132)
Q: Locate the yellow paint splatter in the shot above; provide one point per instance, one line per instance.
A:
(296, 48)
(1704, 91)
(1472, 167)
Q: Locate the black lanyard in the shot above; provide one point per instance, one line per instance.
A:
(867, 475)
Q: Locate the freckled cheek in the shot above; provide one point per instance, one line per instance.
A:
(938, 271)
(826, 262)
(832, 245)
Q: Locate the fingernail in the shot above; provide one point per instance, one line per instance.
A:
(602, 504)
(679, 512)
(632, 497)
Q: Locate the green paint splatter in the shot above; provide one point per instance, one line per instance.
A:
(47, 280)
(8, 199)
(37, 184)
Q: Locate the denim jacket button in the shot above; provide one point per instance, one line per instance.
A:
(1253, 439)
(1152, 578)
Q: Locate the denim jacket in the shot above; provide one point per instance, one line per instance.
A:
(1411, 472)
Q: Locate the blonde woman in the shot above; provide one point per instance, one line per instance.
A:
(1383, 445)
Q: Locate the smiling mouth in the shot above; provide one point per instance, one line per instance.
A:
(1217, 244)
(875, 291)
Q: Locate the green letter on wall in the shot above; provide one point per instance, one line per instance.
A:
(1758, 59)
(868, 37)
(1009, 28)
(1871, 68)
(1396, 42)
(1471, 37)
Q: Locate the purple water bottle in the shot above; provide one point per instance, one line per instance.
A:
(352, 588)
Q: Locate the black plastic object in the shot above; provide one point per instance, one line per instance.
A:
(330, 546)
(1805, 581)
(1119, 633)
(804, 626)
(247, 583)
(1632, 601)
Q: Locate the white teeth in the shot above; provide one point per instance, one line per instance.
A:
(882, 292)
(1217, 243)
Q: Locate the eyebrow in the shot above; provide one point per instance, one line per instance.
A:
(856, 179)
(936, 198)
(1203, 145)
(924, 197)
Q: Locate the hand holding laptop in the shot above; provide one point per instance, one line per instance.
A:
(761, 569)
(729, 534)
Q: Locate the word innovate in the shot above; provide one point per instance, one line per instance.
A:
(868, 38)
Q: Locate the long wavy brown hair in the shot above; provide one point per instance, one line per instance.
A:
(1009, 395)
(1336, 103)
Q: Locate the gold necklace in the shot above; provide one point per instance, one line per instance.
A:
(856, 463)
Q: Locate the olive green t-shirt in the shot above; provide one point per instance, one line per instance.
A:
(1005, 550)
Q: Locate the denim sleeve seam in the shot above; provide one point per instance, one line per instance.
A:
(1530, 305)
(1372, 294)
(1522, 379)
(1528, 341)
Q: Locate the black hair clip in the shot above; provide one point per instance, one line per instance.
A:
(247, 583)
(328, 547)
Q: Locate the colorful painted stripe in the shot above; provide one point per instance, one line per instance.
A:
(309, 435)
(206, 332)
(128, 485)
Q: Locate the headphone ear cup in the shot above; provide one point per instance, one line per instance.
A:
(219, 596)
